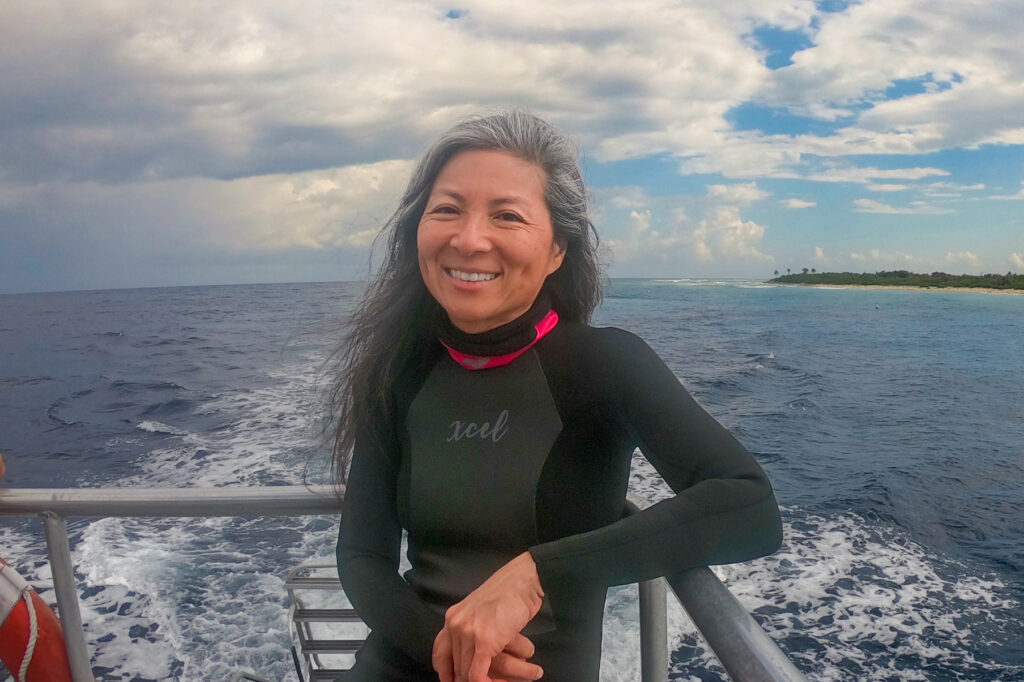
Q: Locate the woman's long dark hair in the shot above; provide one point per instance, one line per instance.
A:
(393, 322)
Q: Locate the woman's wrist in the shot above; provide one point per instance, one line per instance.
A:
(528, 568)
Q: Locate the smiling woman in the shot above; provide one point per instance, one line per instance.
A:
(484, 252)
(479, 412)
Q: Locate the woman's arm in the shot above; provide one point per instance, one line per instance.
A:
(723, 511)
(369, 549)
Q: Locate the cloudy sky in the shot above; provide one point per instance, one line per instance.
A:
(147, 144)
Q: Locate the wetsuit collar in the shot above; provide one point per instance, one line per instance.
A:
(501, 345)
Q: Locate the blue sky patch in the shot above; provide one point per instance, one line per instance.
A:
(833, 5)
(905, 87)
(658, 175)
(778, 121)
(780, 44)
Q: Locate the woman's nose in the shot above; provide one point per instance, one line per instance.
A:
(471, 235)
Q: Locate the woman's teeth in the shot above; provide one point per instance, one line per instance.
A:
(471, 276)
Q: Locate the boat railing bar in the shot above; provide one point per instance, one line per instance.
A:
(743, 648)
(284, 500)
(747, 653)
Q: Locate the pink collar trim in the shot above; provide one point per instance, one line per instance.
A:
(474, 362)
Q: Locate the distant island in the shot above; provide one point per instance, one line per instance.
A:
(904, 278)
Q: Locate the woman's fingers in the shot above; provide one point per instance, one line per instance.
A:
(471, 660)
(508, 667)
(442, 658)
(479, 666)
(520, 646)
(462, 656)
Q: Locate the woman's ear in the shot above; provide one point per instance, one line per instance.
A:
(557, 255)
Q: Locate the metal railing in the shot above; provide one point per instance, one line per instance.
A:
(746, 652)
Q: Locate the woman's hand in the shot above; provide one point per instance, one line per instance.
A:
(481, 640)
(511, 664)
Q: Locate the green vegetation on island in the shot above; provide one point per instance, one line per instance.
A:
(904, 278)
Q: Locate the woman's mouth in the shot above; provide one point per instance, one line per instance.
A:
(464, 276)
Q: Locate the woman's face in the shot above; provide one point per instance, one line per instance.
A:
(485, 240)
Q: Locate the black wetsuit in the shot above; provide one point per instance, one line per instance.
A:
(480, 466)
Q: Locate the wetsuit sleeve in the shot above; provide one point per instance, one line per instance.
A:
(369, 550)
(723, 511)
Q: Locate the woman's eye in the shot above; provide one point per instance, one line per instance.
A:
(443, 209)
(507, 215)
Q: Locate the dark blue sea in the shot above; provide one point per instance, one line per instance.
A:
(890, 422)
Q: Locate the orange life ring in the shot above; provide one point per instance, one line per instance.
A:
(31, 641)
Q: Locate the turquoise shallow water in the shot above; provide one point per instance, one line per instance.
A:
(890, 422)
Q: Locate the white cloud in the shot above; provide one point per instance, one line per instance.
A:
(797, 203)
(626, 197)
(886, 187)
(879, 257)
(915, 208)
(1017, 260)
(968, 64)
(164, 91)
(167, 91)
(330, 208)
(743, 154)
(741, 193)
(953, 185)
(664, 240)
(963, 258)
(700, 247)
(723, 233)
(1005, 136)
(639, 224)
(970, 55)
(819, 253)
(648, 240)
(867, 174)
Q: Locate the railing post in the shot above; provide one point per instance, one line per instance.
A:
(653, 631)
(67, 595)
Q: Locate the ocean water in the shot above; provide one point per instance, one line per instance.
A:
(890, 422)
